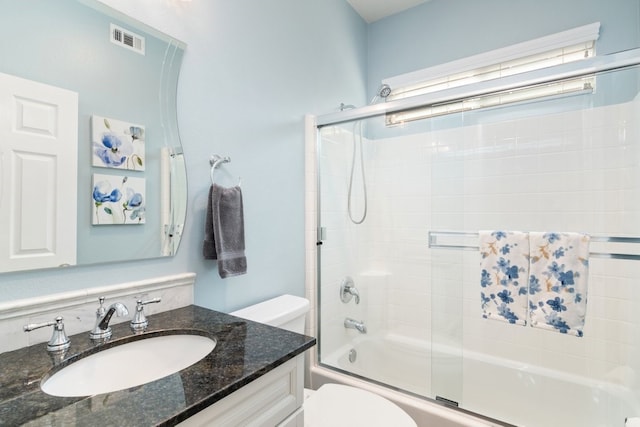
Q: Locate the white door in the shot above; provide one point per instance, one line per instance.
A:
(38, 174)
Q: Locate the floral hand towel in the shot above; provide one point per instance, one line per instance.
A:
(504, 269)
(558, 283)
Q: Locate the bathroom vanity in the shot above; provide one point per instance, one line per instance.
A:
(254, 374)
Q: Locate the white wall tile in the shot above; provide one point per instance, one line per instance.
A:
(574, 171)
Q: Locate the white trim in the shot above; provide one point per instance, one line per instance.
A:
(78, 308)
(65, 300)
(574, 36)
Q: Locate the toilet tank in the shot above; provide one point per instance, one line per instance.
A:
(286, 312)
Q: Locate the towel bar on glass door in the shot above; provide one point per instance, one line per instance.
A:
(460, 240)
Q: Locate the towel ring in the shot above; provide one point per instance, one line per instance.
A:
(216, 161)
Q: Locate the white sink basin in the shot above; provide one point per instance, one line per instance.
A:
(128, 365)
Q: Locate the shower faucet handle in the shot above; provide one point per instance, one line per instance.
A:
(348, 290)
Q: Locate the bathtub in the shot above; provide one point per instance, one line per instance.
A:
(505, 390)
(426, 413)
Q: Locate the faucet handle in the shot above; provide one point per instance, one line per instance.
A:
(348, 290)
(139, 322)
(100, 311)
(59, 340)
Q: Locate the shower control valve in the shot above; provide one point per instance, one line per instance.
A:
(348, 291)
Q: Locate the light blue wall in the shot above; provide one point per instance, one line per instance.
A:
(251, 71)
(440, 31)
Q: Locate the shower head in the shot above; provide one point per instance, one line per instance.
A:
(383, 92)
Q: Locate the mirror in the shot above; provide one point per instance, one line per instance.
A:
(125, 76)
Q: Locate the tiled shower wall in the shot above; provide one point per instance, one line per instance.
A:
(574, 171)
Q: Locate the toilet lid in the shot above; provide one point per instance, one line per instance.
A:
(335, 405)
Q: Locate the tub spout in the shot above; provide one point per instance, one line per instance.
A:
(354, 324)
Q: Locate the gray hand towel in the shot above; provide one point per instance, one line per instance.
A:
(228, 230)
(209, 245)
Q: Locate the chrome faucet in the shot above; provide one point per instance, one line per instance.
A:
(354, 324)
(102, 330)
(59, 341)
(348, 290)
(139, 322)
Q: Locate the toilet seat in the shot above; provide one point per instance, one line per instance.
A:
(339, 405)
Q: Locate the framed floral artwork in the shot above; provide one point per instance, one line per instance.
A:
(118, 199)
(117, 144)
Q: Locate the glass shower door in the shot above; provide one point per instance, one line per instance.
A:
(379, 244)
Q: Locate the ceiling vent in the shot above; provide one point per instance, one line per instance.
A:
(127, 39)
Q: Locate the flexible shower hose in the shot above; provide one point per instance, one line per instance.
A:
(357, 141)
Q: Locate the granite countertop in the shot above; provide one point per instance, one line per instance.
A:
(245, 351)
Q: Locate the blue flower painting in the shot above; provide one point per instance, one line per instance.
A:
(118, 200)
(117, 144)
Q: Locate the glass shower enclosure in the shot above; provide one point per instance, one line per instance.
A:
(400, 208)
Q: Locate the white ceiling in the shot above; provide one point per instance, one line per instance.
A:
(372, 10)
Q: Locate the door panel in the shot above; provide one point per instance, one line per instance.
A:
(38, 174)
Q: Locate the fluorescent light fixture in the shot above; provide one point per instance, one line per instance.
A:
(579, 69)
(576, 86)
(549, 51)
(496, 71)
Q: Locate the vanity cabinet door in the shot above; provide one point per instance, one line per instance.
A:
(295, 420)
(267, 401)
